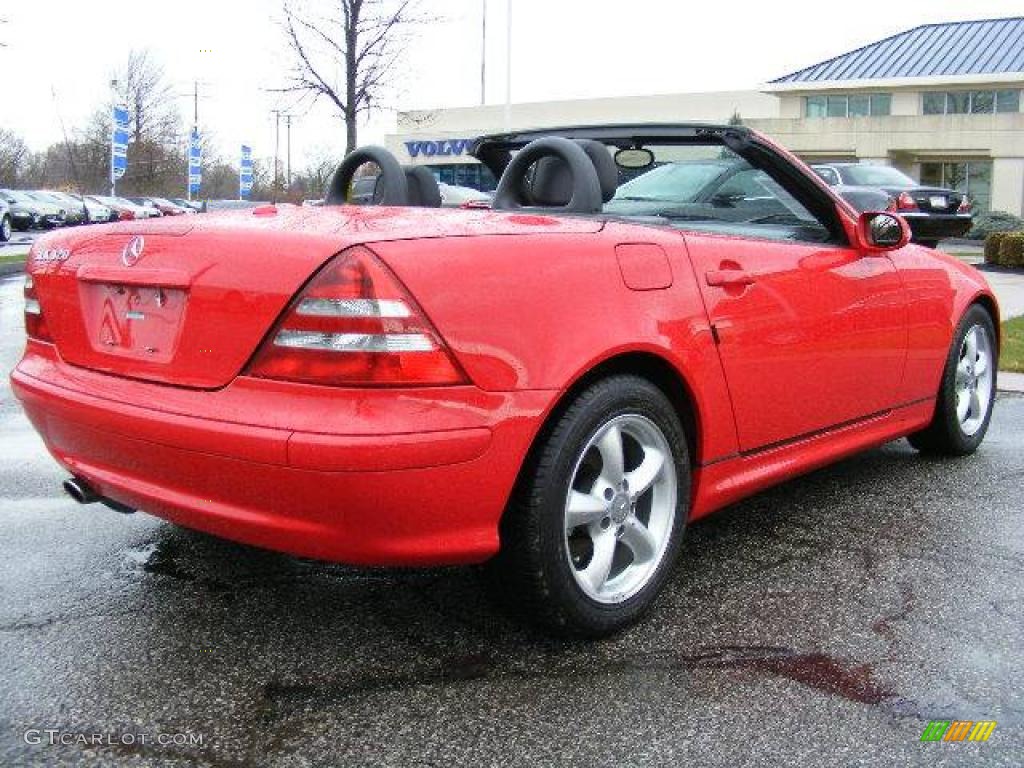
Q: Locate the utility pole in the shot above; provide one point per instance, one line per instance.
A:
(277, 146)
(288, 152)
(483, 56)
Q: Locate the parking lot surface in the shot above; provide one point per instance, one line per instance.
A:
(825, 622)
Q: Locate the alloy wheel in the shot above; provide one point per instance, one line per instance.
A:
(620, 508)
(974, 380)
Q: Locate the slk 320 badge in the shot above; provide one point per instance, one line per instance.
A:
(51, 255)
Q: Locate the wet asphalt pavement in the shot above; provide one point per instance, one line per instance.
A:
(822, 623)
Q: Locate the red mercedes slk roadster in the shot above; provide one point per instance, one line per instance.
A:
(649, 323)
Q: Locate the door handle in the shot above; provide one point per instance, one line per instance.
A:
(728, 277)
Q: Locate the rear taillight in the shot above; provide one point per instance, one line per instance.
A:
(35, 323)
(965, 205)
(905, 202)
(354, 324)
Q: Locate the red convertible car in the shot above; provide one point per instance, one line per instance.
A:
(650, 323)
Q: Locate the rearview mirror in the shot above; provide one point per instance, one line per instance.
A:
(634, 159)
(881, 231)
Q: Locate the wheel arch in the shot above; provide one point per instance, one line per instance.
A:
(648, 365)
(988, 303)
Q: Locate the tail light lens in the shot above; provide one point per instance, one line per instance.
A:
(965, 205)
(35, 323)
(905, 202)
(354, 324)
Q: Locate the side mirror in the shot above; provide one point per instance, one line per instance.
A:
(880, 231)
(726, 200)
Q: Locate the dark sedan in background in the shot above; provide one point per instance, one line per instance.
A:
(6, 221)
(25, 214)
(933, 213)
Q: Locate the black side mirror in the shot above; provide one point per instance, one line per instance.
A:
(726, 200)
(882, 231)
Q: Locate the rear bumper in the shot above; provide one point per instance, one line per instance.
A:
(931, 226)
(413, 478)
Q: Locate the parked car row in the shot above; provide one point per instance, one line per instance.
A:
(46, 209)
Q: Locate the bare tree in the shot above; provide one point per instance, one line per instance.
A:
(14, 155)
(143, 87)
(156, 150)
(346, 51)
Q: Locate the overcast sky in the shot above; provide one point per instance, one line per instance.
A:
(561, 49)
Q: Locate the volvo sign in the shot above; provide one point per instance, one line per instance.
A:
(438, 148)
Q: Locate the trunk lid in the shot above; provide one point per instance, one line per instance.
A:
(187, 302)
(932, 199)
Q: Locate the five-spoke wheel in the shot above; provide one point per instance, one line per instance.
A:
(597, 519)
(620, 508)
(967, 392)
(974, 380)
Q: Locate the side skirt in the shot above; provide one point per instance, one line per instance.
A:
(734, 478)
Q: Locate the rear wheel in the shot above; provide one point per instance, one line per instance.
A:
(967, 392)
(597, 522)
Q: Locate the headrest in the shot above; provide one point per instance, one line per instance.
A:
(552, 174)
(423, 191)
(552, 180)
(604, 163)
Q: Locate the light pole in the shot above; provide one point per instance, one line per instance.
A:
(113, 128)
(508, 68)
(288, 152)
(483, 56)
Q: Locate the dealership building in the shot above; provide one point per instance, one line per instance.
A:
(942, 102)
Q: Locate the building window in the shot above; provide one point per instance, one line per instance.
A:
(970, 102)
(973, 178)
(837, 106)
(881, 103)
(855, 105)
(1007, 101)
(934, 103)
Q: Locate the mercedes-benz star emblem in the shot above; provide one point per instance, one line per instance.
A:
(133, 251)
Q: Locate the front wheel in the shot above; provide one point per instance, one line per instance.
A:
(596, 523)
(5, 229)
(967, 392)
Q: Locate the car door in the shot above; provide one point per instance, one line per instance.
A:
(811, 335)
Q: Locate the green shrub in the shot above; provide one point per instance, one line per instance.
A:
(1011, 250)
(992, 243)
(985, 224)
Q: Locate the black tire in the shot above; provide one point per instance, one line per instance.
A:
(945, 436)
(533, 572)
(6, 228)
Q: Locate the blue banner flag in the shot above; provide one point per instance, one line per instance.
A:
(119, 135)
(195, 163)
(245, 173)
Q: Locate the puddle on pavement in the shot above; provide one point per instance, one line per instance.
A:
(153, 558)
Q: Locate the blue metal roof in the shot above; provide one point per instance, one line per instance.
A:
(991, 46)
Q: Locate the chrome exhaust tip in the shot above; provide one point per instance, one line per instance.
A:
(79, 490)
